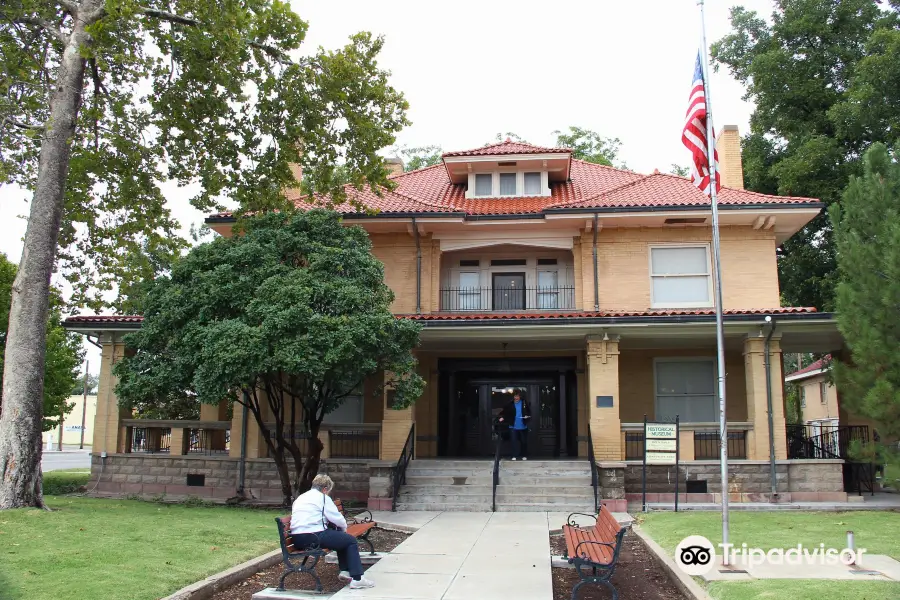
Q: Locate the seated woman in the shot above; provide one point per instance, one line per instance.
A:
(316, 520)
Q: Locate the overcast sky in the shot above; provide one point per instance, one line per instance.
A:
(471, 69)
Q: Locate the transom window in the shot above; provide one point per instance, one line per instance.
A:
(686, 388)
(680, 276)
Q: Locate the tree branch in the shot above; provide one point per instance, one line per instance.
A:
(20, 125)
(272, 51)
(70, 6)
(44, 24)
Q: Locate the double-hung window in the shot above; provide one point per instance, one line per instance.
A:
(680, 276)
(532, 184)
(507, 184)
(686, 388)
(484, 184)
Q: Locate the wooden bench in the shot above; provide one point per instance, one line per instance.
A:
(304, 560)
(596, 547)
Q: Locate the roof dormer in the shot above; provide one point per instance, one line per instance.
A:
(508, 169)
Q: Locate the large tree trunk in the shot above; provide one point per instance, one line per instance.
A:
(310, 467)
(23, 375)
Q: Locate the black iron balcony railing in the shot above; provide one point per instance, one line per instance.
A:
(507, 299)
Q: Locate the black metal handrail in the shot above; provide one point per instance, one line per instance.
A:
(496, 475)
(462, 299)
(593, 462)
(823, 441)
(399, 472)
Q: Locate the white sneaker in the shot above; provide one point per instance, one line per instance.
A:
(513, 458)
(344, 576)
(362, 584)
(524, 458)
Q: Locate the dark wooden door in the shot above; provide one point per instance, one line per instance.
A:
(509, 291)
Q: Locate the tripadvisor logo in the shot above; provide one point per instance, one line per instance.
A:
(695, 555)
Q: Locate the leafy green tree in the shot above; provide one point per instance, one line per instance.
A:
(679, 170)
(418, 157)
(590, 146)
(93, 381)
(287, 320)
(823, 78)
(867, 235)
(64, 353)
(102, 100)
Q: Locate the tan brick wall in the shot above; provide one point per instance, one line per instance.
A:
(603, 380)
(750, 277)
(637, 381)
(108, 432)
(757, 403)
(426, 407)
(728, 147)
(398, 253)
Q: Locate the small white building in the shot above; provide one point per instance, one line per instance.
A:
(82, 412)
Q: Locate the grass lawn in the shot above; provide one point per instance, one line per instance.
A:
(877, 532)
(121, 549)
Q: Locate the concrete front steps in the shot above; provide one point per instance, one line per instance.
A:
(525, 486)
(545, 486)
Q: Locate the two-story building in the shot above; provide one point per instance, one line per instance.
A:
(586, 287)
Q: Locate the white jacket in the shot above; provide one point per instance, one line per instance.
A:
(312, 510)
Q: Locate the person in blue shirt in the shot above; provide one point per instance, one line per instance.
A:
(517, 414)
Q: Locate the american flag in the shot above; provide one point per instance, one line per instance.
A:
(693, 136)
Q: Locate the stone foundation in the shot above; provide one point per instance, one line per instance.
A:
(150, 475)
(749, 481)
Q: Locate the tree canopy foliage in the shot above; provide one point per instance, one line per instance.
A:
(867, 235)
(288, 318)
(590, 146)
(101, 101)
(64, 353)
(823, 76)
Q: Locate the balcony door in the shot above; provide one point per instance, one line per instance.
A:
(508, 291)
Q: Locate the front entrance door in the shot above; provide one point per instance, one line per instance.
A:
(479, 404)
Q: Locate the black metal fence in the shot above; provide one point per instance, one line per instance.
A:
(508, 299)
(815, 441)
(350, 443)
(707, 445)
(148, 439)
(206, 441)
(634, 445)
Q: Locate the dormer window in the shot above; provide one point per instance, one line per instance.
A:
(532, 184)
(507, 184)
(484, 184)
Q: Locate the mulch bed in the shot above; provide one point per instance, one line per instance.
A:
(637, 576)
(384, 541)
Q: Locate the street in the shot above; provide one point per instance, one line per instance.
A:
(54, 461)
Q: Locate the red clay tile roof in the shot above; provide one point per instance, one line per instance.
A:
(118, 319)
(429, 190)
(508, 147)
(819, 364)
(104, 319)
(604, 313)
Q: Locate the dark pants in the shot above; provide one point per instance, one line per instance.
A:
(343, 544)
(519, 441)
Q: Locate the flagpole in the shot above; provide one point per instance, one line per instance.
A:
(717, 267)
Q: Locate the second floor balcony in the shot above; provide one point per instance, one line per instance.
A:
(507, 298)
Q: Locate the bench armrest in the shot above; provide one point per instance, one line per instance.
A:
(585, 556)
(358, 517)
(572, 523)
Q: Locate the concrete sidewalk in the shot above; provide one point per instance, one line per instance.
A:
(880, 501)
(466, 556)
